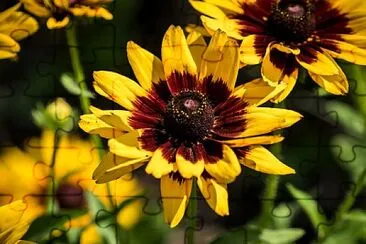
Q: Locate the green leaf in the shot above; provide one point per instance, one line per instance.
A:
(310, 207)
(69, 83)
(348, 117)
(350, 153)
(281, 236)
(42, 227)
(248, 234)
(356, 215)
(104, 220)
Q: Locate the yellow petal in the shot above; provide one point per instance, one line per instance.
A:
(190, 161)
(226, 169)
(257, 92)
(175, 195)
(112, 162)
(278, 64)
(93, 125)
(344, 50)
(12, 225)
(64, 4)
(118, 88)
(258, 140)
(264, 120)
(127, 146)
(215, 194)
(52, 23)
(221, 59)
(147, 67)
(197, 45)
(289, 81)
(159, 163)
(8, 44)
(8, 12)
(34, 7)
(19, 26)
(208, 9)
(229, 26)
(316, 61)
(253, 48)
(335, 84)
(116, 118)
(196, 28)
(262, 160)
(175, 53)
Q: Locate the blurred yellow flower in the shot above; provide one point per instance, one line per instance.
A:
(58, 12)
(14, 26)
(12, 223)
(25, 175)
(59, 109)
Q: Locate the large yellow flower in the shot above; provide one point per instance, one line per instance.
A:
(26, 176)
(186, 119)
(13, 225)
(58, 12)
(14, 26)
(285, 35)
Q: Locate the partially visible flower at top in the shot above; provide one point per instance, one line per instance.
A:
(286, 34)
(14, 26)
(25, 176)
(13, 225)
(59, 12)
(187, 120)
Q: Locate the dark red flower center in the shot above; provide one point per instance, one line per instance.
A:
(70, 197)
(292, 20)
(189, 116)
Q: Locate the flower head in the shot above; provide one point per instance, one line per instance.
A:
(25, 176)
(186, 119)
(14, 26)
(286, 34)
(58, 12)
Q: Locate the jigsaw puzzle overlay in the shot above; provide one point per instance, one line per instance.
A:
(58, 180)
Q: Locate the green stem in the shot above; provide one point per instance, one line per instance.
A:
(84, 99)
(192, 214)
(271, 186)
(52, 186)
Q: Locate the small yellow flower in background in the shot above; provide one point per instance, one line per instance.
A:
(59, 12)
(25, 175)
(14, 26)
(59, 109)
(187, 119)
(285, 35)
(13, 225)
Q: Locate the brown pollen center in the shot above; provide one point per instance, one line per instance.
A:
(292, 21)
(189, 117)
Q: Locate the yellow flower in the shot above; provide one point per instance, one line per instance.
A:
(59, 12)
(285, 35)
(186, 119)
(25, 175)
(12, 223)
(14, 26)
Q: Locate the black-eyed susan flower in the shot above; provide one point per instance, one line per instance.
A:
(14, 26)
(59, 12)
(186, 119)
(25, 176)
(13, 225)
(287, 34)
